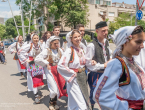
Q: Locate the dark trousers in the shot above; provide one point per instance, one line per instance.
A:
(2, 58)
(92, 81)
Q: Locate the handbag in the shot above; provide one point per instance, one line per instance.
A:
(35, 70)
(15, 57)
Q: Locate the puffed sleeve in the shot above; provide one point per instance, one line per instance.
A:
(22, 53)
(41, 58)
(12, 48)
(63, 68)
(89, 55)
(104, 93)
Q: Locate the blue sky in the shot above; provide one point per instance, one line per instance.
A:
(6, 13)
(5, 9)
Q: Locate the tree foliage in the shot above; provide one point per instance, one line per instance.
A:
(72, 12)
(124, 19)
(2, 31)
(11, 28)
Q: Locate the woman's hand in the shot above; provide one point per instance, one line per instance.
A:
(48, 67)
(28, 60)
(93, 62)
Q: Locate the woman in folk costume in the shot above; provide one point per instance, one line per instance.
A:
(122, 85)
(72, 67)
(141, 57)
(14, 48)
(49, 59)
(34, 71)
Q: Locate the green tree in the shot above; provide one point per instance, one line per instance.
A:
(2, 31)
(72, 12)
(11, 28)
(124, 19)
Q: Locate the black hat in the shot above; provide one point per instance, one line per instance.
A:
(101, 24)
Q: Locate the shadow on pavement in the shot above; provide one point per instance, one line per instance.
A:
(17, 74)
(62, 105)
(28, 94)
(24, 83)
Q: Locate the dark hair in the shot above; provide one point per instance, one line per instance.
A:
(55, 27)
(28, 38)
(80, 25)
(137, 30)
(75, 31)
(44, 37)
(33, 32)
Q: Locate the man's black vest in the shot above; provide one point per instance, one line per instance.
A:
(84, 42)
(61, 41)
(99, 56)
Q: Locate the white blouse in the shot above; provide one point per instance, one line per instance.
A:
(23, 58)
(66, 69)
(12, 47)
(90, 52)
(41, 58)
(108, 87)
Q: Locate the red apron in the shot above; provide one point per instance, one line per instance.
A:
(60, 81)
(37, 80)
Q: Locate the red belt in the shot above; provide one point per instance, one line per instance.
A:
(134, 104)
(31, 58)
(1, 51)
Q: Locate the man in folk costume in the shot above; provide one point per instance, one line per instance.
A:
(34, 72)
(56, 32)
(49, 59)
(99, 51)
(14, 48)
(81, 28)
(122, 85)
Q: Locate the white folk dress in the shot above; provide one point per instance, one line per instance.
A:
(23, 58)
(108, 87)
(41, 60)
(76, 100)
(12, 49)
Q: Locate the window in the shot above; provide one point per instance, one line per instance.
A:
(111, 13)
(97, 1)
(107, 3)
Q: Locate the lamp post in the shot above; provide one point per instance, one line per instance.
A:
(12, 15)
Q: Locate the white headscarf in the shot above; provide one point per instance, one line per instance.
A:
(69, 44)
(17, 38)
(52, 38)
(121, 36)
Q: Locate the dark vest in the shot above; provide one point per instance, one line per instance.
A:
(84, 42)
(61, 41)
(99, 56)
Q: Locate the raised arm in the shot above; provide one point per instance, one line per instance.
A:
(90, 52)
(12, 48)
(22, 53)
(63, 68)
(104, 93)
(41, 58)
